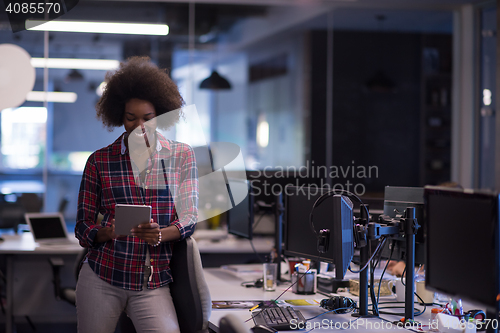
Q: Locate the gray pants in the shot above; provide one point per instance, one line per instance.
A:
(99, 305)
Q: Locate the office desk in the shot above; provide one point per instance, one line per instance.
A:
(225, 285)
(233, 250)
(29, 288)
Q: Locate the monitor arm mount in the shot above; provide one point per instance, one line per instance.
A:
(366, 231)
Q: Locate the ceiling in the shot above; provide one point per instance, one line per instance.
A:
(217, 18)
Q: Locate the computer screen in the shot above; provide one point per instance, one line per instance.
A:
(396, 200)
(462, 244)
(240, 218)
(335, 214)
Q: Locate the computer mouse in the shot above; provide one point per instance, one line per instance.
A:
(262, 329)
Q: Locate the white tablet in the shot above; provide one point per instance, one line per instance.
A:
(130, 216)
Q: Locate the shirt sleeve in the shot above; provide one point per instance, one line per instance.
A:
(187, 196)
(89, 198)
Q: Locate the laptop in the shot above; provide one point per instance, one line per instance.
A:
(48, 228)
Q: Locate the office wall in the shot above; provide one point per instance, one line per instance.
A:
(75, 126)
(370, 129)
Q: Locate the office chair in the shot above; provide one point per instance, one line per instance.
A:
(232, 324)
(65, 294)
(32, 202)
(63, 204)
(11, 215)
(189, 290)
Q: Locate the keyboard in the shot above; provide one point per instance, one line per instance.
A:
(279, 318)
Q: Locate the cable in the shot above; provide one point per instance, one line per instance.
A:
(368, 262)
(372, 279)
(375, 300)
(421, 300)
(255, 251)
(383, 272)
(398, 325)
(350, 309)
(258, 221)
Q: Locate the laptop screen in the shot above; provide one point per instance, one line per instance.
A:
(46, 226)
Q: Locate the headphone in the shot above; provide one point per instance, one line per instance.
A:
(339, 304)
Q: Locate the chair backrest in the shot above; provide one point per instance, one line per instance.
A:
(189, 290)
(232, 324)
(11, 215)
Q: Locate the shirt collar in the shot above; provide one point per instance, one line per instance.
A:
(161, 142)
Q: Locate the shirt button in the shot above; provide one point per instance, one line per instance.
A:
(147, 171)
(146, 187)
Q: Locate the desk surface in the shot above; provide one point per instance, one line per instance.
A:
(23, 243)
(232, 244)
(225, 285)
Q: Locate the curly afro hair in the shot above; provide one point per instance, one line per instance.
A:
(138, 78)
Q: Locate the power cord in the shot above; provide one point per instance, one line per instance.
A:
(368, 262)
(373, 265)
(255, 251)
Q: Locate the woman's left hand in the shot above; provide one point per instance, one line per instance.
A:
(148, 232)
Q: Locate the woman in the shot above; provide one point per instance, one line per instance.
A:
(131, 273)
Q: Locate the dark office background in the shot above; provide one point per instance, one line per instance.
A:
(373, 128)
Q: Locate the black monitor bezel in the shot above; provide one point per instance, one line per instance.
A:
(334, 234)
(473, 194)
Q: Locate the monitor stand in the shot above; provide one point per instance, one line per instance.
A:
(374, 231)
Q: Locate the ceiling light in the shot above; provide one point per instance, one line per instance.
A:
(52, 96)
(97, 64)
(215, 82)
(262, 132)
(98, 27)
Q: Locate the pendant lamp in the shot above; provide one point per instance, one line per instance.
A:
(215, 82)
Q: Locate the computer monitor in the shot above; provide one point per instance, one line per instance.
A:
(335, 214)
(240, 218)
(396, 200)
(462, 244)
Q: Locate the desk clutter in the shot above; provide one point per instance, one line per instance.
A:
(279, 318)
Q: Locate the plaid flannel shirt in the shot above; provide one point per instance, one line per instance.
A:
(170, 187)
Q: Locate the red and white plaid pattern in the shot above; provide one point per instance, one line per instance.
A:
(108, 179)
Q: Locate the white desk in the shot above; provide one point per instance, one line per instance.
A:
(225, 285)
(233, 250)
(232, 244)
(29, 278)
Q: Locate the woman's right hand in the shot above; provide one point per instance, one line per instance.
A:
(106, 233)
